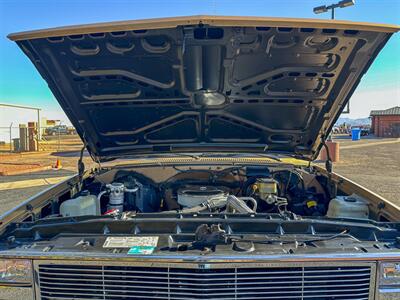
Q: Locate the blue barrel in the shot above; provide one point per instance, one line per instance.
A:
(355, 134)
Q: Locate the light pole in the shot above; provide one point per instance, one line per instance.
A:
(341, 4)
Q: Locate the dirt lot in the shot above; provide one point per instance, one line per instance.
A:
(372, 162)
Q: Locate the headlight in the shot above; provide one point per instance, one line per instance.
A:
(15, 271)
(390, 274)
(389, 281)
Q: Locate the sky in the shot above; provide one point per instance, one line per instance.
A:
(20, 83)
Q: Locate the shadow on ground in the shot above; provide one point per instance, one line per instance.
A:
(37, 175)
(70, 154)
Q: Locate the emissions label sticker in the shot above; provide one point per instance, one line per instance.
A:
(141, 250)
(130, 241)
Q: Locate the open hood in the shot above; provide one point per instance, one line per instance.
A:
(199, 84)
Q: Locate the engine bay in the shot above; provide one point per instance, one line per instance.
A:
(216, 189)
(202, 209)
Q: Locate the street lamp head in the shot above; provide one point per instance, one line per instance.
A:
(346, 3)
(340, 4)
(320, 9)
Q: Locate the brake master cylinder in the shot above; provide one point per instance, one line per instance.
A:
(267, 189)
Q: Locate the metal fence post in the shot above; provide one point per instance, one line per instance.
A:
(39, 133)
(11, 145)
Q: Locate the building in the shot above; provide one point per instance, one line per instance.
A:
(386, 123)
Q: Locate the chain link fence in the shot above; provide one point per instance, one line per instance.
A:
(23, 138)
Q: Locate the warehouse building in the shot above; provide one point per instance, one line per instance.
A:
(386, 123)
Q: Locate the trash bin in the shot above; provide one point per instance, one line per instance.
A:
(333, 151)
(355, 134)
(16, 145)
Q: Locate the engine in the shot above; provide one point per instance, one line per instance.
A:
(230, 190)
(192, 196)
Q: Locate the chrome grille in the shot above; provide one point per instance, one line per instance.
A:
(116, 282)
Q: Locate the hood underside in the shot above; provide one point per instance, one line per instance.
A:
(198, 84)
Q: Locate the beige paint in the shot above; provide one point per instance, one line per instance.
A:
(194, 20)
(30, 183)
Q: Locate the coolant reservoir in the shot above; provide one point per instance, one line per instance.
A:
(348, 207)
(84, 205)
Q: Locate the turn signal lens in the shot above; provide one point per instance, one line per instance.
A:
(14, 271)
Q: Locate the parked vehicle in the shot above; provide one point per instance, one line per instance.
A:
(336, 130)
(365, 131)
(60, 130)
(57, 130)
(206, 129)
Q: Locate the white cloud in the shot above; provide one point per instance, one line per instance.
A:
(362, 102)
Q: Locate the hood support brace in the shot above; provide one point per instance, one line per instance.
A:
(328, 162)
(81, 165)
(329, 168)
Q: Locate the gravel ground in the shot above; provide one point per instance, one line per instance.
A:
(9, 198)
(373, 163)
(376, 167)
